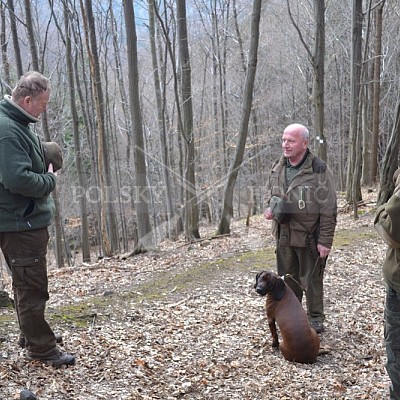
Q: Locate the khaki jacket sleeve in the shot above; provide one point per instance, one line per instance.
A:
(387, 220)
(328, 210)
(272, 184)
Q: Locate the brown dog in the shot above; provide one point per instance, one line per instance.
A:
(300, 342)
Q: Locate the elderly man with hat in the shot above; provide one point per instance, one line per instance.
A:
(27, 178)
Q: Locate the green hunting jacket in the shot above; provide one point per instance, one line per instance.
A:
(311, 199)
(25, 184)
(387, 224)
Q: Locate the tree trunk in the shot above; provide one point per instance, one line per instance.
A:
(365, 107)
(77, 142)
(353, 176)
(376, 94)
(180, 178)
(145, 234)
(107, 220)
(227, 211)
(4, 49)
(166, 168)
(191, 206)
(122, 174)
(317, 61)
(31, 36)
(319, 77)
(366, 136)
(15, 37)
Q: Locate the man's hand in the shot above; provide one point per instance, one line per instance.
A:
(268, 214)
(51, 169)
(323, 251)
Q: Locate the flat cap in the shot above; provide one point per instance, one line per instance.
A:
(53, 155)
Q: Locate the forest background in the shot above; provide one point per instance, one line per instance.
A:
(170, 113)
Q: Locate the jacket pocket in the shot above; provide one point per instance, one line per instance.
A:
(29, 209)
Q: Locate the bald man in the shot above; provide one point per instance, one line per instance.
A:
(302, 205)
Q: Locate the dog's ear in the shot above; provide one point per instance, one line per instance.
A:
(257, 276)
(279, 290)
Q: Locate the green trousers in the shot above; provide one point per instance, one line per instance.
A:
(25, 254)
(308, 270)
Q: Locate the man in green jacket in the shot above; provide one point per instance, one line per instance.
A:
(387, 224)
(26, 210)
(302, 205)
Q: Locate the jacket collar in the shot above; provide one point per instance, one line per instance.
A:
(25, 117)
(307, 163)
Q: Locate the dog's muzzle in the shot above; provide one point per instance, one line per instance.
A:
(262, 291)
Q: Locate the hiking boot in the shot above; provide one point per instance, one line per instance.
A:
(22, 341)
(57, 359)
(317, 326)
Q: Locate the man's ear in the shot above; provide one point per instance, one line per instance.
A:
(27, 100)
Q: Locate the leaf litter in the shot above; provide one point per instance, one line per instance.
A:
(206, 336)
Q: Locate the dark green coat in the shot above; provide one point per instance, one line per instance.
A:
(313, 187)
(25, 185)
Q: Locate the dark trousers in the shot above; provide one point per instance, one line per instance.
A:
(392, 341)
(304, 267)
(25, 254)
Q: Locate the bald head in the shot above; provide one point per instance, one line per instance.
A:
(298, 129)
(295, 140)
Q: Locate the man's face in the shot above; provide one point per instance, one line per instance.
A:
(294, 145)
(36, 105)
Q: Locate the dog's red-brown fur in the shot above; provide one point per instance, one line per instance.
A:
(300, 342)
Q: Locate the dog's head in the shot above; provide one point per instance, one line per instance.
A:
(267, 282)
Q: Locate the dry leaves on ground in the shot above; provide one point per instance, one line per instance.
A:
(208, 340)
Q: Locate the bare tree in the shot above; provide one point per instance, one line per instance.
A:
(191, 207)
(317, 60)
(145, 235)
(31, 36)
(87, 121)
(4, 46)
(319, 76)
(227, 211)
(15, 37)
(108, 216)
(378, 13)
(160, 101)
(77, 141)
(354, 157)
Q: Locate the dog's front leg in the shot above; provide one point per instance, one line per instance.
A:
(274, 333)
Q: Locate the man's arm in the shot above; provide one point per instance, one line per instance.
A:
(17, 175)
(387, 220)
(328, 212)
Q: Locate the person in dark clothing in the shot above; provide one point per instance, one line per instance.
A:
(387, 224)
(302, 204)
(26, 211)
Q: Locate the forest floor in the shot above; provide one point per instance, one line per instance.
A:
(184, 322)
